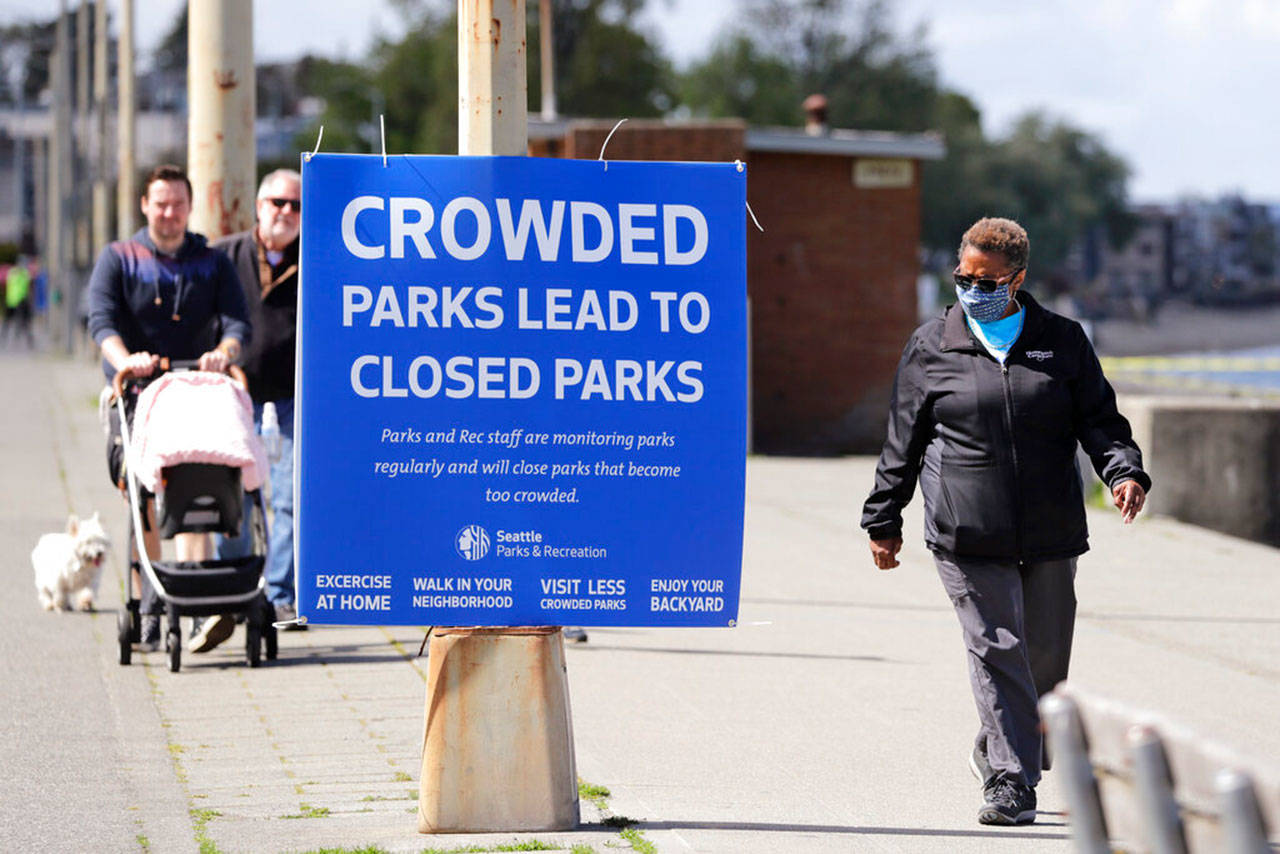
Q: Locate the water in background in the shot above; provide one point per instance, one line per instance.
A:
(1252, 372)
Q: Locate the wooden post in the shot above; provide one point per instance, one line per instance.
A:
(497, 752)
(221, 148)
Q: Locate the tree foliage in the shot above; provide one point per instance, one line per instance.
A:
(1058, 180)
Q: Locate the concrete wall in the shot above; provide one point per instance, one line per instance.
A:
(1213, 462)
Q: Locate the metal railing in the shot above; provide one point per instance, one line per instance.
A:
(1138, 781)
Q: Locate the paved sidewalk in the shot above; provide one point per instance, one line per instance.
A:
(836, 718)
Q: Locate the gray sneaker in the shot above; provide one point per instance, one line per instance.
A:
(211, 632)
(1007, 802)
(286, 613)
(577, 634)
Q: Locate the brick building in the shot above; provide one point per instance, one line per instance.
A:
(831, 280)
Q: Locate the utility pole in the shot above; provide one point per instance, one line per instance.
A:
(60, 179)
(492, 89)
(497, 750)
(127, 194)
(83, 170)
(102, 168)
(221, 146)
(546, 51)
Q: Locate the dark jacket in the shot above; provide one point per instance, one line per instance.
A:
(268, 360)
(177, 306)
(995, 448)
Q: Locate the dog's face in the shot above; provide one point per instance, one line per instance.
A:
(91, 542)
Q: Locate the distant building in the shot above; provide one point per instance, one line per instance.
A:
(831, 280)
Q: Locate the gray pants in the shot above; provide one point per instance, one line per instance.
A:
(1017, 620)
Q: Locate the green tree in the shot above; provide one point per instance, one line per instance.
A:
(787, 49)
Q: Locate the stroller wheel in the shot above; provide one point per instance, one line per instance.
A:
(124, 634)
(253, 643)
(173, 640)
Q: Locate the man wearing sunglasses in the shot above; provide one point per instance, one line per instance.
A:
(266, 259)
(988, 406)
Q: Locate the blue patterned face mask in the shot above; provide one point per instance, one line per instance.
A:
(983, 307)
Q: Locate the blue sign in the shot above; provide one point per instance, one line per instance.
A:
(522, 391)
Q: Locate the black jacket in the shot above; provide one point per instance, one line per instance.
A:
(269, 358)
(995, 448)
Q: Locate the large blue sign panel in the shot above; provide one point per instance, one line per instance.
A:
(522, 392)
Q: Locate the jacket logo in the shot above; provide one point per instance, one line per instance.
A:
(1040, 355)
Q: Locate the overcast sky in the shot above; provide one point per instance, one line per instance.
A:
(1183, 89)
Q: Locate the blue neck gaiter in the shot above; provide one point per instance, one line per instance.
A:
(999, 336)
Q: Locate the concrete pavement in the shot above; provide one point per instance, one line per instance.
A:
(836, 718)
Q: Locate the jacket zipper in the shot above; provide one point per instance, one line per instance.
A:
(1013, 448)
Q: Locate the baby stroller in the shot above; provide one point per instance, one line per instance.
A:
(192, 497)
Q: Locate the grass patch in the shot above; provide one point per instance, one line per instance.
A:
(402, 777)
(594, 794)
(308, 811)
(200, 819)
(368, 849)
(582, 849)
(528, 845)
(144, 843)
(638, 842)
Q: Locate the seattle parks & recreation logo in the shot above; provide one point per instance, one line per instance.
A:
(472, 542)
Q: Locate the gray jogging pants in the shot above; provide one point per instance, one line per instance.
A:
(1017, 620)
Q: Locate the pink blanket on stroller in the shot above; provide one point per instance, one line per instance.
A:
(195, 417)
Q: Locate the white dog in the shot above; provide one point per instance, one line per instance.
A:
(68, 565)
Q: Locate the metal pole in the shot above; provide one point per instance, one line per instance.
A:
(102, 168)
(221, 152)
(127, 194)
(81, 135)
(546, 50)
(497, 742)
(1243, 829)
(1155, 792)
(1071, 758)
(492, 90)
(61, 178)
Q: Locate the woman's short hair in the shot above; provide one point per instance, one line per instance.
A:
(1002, 236)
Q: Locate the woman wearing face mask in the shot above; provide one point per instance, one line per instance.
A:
(988, 404)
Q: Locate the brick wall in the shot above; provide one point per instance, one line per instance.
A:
(831, 280)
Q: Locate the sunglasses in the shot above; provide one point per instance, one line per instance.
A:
(986, 286)
(294, 204)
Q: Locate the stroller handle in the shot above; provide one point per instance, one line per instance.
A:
(125, 374)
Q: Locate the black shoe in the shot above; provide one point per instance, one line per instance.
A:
(577, 634)
(150, 639)
(980, 767)
(210, 632)
(286, 613)
(1008, 802)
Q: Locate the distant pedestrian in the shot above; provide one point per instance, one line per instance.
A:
(17, 300)
(989, 402)
(266, 259)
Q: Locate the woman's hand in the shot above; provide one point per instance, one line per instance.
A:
(1129, 497)
(885, 552)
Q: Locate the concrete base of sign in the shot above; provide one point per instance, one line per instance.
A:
(497, 746)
